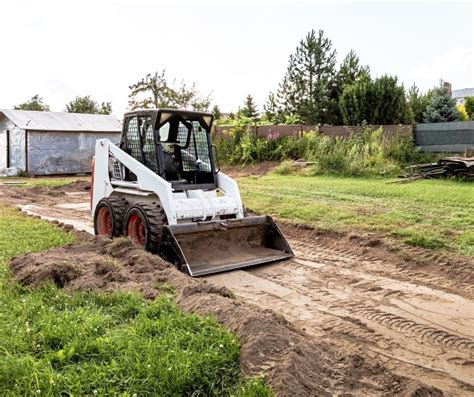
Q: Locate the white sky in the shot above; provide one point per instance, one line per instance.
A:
(61, 49)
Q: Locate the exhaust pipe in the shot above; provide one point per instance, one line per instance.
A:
(217, 246)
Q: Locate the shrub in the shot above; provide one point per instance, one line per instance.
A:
(469, 106)
(367, 153)
(462, 113)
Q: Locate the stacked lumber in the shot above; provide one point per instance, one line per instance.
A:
(445, 167)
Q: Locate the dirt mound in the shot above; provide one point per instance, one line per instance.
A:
(76, 186)
(293, 363)
(43, 193)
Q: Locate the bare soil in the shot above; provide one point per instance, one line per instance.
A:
(257, 169)
(349, 314)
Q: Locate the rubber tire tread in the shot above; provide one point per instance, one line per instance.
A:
(118, 205)
(155, 219)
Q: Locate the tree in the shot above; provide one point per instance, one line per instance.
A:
(153, 91)
(249, 110)
(463, 116)
(417, 103)
(35, 103)
(306, 87)
(469, 106)
(441, 107)
(87, 105)
(349, 72)
(216, 112)
(379, 101)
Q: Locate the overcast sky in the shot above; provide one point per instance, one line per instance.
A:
(68, 48)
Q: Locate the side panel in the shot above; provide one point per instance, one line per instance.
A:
(52, 153)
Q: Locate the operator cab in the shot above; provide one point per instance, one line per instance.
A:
(175, 144)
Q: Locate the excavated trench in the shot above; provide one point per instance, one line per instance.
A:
(354, 314)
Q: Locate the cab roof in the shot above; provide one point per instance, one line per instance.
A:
(155, 112)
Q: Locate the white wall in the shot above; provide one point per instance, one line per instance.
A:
(3, 150)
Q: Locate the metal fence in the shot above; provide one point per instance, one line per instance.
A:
(452, 137)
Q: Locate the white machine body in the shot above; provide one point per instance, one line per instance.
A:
(179, 206)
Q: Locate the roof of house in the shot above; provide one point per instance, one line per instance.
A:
(463, 93)
(55, 121)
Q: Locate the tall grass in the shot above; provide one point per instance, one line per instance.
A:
(365, 154)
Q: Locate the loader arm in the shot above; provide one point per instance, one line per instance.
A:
(147, 180)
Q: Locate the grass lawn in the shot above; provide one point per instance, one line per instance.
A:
(429, 213)
(54, 344)
(43, 181)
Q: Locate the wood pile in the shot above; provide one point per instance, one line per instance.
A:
(444, 168)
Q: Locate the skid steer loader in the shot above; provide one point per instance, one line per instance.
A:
(162, 187)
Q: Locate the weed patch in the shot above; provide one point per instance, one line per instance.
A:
(365, 154)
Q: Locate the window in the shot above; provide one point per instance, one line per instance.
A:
(164, 132)
(196, 154)
(132, 139)
(140, 141)
(148, 142)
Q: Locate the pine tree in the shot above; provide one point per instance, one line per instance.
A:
(349, 72)
(250, 109)
(441, 107)
(417, 103)
(272, 110)
(306, 88)
(216, 112)
(379, 101)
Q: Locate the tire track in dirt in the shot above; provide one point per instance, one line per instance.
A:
(339, 296)
(456, 276)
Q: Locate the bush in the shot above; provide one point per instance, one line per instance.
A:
(364, 154)
(469, 106)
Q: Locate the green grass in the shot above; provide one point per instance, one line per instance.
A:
(430, 213)
(52, 343)
(42, 181)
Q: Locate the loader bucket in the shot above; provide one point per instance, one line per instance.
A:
(217, 246)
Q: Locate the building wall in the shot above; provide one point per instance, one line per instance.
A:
(3, 150)
(16, 145)
(51, 153)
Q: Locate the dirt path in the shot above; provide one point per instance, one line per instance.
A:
(410, 309)
(362, 306)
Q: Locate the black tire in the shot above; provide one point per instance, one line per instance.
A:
(151, 218)
(115, 206)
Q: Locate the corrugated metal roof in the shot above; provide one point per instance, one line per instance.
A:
(463, 93)
(55, 121)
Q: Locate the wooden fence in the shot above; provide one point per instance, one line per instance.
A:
(276, 131)
(452, 137)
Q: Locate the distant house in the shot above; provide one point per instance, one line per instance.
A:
(50, 143)
(461, 95)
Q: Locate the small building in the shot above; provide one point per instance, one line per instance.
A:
(461, 95)
(51, 143)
